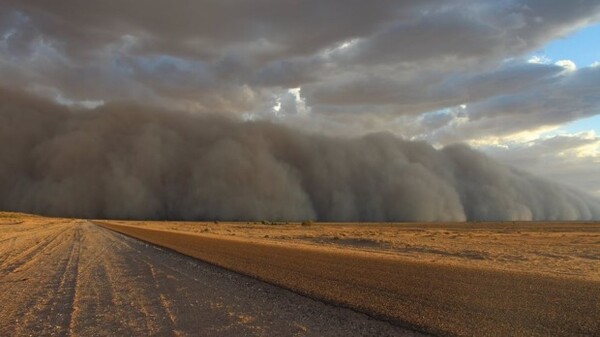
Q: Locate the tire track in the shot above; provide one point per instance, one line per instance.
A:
(168, 312)
(43, 315)
(28, 256)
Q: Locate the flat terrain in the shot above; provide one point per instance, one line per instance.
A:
(465, 290)
(61, 277)
(570, 249)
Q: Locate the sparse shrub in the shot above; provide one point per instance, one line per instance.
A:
(307, 223)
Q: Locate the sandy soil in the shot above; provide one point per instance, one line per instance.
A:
(438, 298)
(557, 249)
(61, 277)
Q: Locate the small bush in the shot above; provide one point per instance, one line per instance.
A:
(307, 223)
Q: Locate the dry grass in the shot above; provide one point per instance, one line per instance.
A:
(569, 249)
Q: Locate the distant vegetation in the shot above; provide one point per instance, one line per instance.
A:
(13, 215)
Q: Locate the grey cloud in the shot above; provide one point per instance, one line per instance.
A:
(459, 37)
(409, 57)
(371, 89)
(570, 97)
(200, 28)
(463, 37)
(117, 76)
(407, 91)
(18, 34)
(434, 121)
(282, 40)
(511, 78)
(474, 32)
(289, 73)
(555, 100)
(126, 161)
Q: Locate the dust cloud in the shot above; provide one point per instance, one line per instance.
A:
(127, 161)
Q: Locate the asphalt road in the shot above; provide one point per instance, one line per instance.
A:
(72, 278)
(432, 298)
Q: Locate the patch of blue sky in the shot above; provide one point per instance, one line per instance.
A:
(582, 125)
(581, 47)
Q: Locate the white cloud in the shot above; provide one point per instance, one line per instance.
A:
(506, 141)
(539, 59)
(568, 65)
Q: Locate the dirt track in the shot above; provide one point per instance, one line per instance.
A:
(72, 278)
(440, 299)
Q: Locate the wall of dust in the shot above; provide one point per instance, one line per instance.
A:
(126, 161)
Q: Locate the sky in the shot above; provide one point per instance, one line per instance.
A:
(516, 79)
(579, 47)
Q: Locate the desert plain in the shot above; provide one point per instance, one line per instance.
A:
(566, 249)
(77, 277)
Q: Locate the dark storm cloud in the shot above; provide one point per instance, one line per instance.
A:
(203, 28)
(125, 161)
(475, 31)
(271, 43)
(566, 97)
(417, 92)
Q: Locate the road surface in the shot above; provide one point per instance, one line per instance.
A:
(73, 278)
(438, 299)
